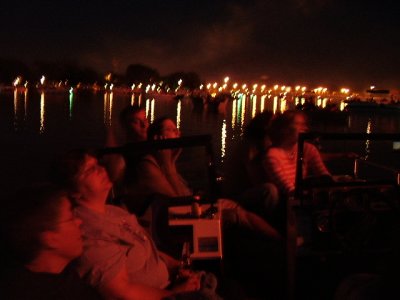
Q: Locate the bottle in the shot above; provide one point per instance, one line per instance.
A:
(196, 207)
(185, 265)
(186, 261)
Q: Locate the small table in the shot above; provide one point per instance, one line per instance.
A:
(207, 241)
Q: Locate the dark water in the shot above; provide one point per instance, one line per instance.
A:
(36, 126)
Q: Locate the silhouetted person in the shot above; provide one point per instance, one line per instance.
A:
(43, 236)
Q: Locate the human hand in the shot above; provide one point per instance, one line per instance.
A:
(175, 154)
(188, 281)
(185, 273)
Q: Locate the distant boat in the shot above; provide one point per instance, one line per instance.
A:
(366, 105)
(323, 116)
(375, 99)
(379, 92)
(361, 104)
(381, 96)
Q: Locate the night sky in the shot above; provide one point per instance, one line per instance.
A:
(353, 43)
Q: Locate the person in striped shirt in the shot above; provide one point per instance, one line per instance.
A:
(281, 159)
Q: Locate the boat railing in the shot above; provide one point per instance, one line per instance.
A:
(359, 161)
(338, 220)
(301, 185)
(139, 149)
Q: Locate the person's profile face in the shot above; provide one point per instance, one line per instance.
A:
(138, 124)
(169, 130)
(92, 176)
(300, 123)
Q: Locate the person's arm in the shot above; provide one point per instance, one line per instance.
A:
(316, 164)
(104, 267)
(249, 219)
(164, 178)
(256, 223)
(167, 162)
(179, 184)
(327, 156)
(120, 288)
(154, 179)
(172, 263)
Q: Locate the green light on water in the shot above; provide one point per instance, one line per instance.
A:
(71, 104)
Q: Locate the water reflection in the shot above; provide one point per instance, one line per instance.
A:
(368, 142)
(133, 99)
(234, 104)
(283, 105)
(324, 102)
(275, 106)
(20, 109)
(140, 100)
(242, 110)
(152, 116)
(319, 101)
(42, 113)
(342, 105)
(254, 108)
(262, 103)
(71, 104)
(15, 110)
(178, 114)
(25, 104)
(150, 109)
(226, 129)
(238, 114)
(297, 101)
(223, 140)
(108, 108)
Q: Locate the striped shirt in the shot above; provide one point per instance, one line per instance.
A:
(281, 166)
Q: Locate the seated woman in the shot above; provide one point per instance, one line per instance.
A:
(159, 176)
(280, 162)
(119, 258)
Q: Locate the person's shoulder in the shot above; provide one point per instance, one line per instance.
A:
(114, 210)
(274, 151)
(147, 160)
(120, 213)
(310, 147)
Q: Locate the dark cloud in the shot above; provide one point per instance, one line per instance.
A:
(288, 40)
(308, 7)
